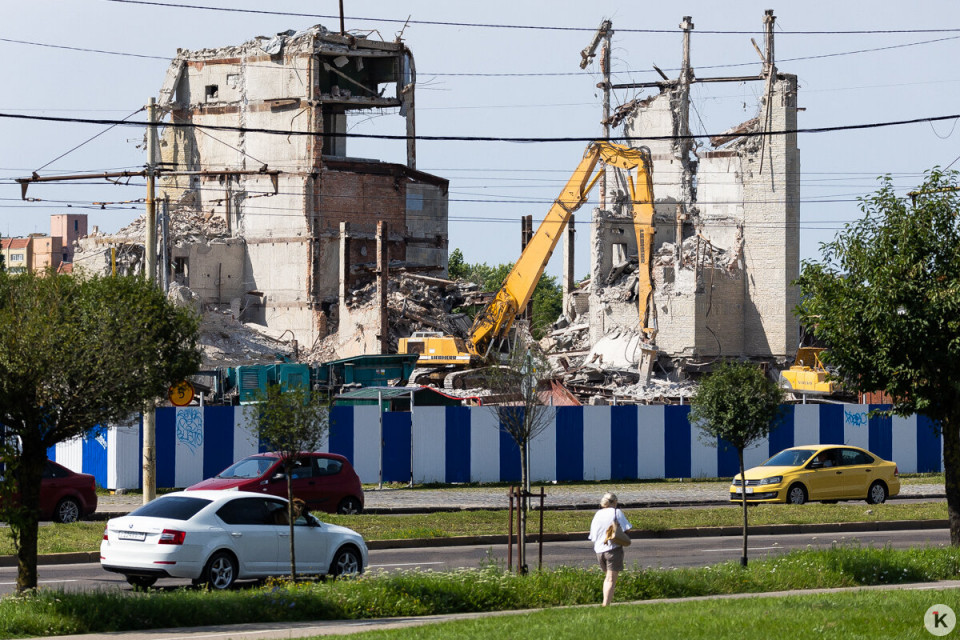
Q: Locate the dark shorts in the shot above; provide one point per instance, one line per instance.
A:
(611, 560)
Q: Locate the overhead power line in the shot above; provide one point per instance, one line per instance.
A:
(518, 139)
(479, 25)
(531, 74)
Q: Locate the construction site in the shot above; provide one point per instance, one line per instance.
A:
(295, 251)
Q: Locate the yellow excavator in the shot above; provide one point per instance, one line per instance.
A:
(494, 321)
(808, 375)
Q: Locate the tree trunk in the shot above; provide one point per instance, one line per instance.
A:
(743, 503)
(951, 474)
(32, 459)
(522, 528)
(291, 518)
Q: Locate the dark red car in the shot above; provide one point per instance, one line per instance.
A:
(325, 481)
(66, 496)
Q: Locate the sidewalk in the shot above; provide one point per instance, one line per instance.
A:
(632, 496)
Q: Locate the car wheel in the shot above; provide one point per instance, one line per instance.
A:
(220, 572)
(68, 510)
(796, 494)
(346, 563)
(877, 493)
(141, 582)
(349, 505)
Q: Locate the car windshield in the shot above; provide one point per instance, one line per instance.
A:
(252, 467)
(172, 507)
(789, 458)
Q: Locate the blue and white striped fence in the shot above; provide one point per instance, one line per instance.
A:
(465, 444)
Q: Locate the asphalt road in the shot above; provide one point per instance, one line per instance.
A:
(648, 553)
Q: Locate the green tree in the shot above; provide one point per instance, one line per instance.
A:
(289, 422)
(523, 416)
(455, 266)
(75, 354)
(740, 404)
(885, 299)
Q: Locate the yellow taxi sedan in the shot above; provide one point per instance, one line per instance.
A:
(821, 472)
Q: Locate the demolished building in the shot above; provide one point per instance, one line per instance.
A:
(726, 248)
(255, 165)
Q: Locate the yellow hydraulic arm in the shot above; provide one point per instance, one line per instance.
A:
(497, 318)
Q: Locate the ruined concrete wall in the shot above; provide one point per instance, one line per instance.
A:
(214, 269)
(303, 83)
(725, 258)
(613, 299)
(771, 236)
(427, 217)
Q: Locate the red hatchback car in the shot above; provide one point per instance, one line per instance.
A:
(325, 481)
(66, 496)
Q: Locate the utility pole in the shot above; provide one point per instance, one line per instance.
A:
(604, 33)
(684, 146)
(150, 272)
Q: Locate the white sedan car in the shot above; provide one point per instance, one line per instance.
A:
(218, 537)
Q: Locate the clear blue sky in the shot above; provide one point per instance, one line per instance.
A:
(492, 184)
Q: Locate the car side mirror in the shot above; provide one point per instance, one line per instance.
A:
(279, 475)
(816, 464)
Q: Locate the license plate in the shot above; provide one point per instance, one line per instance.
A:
(739, 490)
(131, 535)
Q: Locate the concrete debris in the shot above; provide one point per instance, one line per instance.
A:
(414, 303)
(185, 227)
(227, 342)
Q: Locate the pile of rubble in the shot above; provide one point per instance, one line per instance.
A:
(414, 303)
(224, 340)
(185, 226)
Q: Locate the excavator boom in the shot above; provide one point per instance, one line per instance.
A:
(496, 319)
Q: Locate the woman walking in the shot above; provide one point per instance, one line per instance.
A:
(609, 552)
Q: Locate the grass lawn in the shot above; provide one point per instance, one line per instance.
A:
(86, 536)
(867, 615)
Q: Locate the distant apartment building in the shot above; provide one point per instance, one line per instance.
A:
(17, 254)
(69, 227)
(47, 251)
(39, 251)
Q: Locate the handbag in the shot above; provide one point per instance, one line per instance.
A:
(616, 534)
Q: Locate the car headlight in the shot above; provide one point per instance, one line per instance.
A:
(772, 480)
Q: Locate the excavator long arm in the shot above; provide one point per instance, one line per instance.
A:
(496, 319)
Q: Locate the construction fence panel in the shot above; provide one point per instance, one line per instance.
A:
(468, 444)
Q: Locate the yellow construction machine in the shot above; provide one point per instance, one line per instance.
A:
(807, 375)
(494, 321)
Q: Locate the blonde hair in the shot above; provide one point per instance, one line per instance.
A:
(608, 500)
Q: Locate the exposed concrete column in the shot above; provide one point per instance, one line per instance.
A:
(569, 277)
(344, 260)
(685, 144)
(407, 108)
(383, 281)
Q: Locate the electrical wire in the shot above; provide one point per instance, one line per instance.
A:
(66, 153)
(172, 5)
(517, 139)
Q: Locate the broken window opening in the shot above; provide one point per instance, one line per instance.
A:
(181, 271)
(334, 122)
(212, 92)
